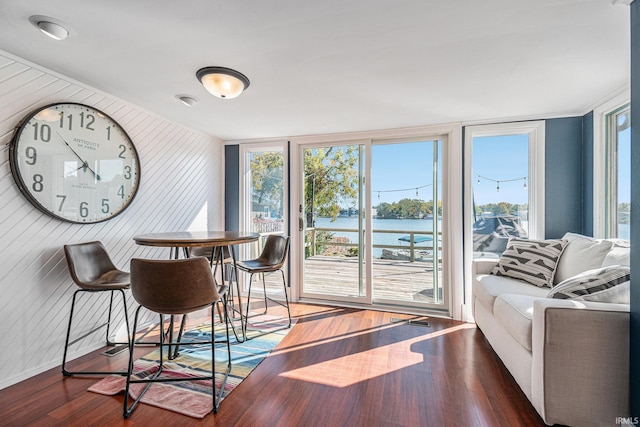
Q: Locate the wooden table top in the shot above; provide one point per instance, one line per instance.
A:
(186, 239)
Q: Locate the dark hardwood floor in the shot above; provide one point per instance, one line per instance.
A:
(336, 367)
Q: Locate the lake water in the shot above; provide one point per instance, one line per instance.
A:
(403, 225)
(399, 224)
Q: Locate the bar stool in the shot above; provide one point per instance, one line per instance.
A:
(271, 259)
(175, 287)
(93, 272)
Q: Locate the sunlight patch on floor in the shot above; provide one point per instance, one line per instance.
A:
(348, 370)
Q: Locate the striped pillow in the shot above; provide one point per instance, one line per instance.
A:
(606, 284)
(533, 261)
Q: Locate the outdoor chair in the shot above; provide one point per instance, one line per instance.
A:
(271, 259)
(93, 272)
(175, 287)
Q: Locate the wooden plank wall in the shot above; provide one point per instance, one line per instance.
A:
(181, 188)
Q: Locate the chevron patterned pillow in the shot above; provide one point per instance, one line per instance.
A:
(606, 284)
(533, 261)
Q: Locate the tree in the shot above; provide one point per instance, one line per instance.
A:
(331, 176)
(266, 182)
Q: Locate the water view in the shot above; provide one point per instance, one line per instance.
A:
(402, 225)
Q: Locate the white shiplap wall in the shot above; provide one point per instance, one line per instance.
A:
(181, 188)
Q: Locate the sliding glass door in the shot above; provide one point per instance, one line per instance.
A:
(378, 244)
(407, 220)
(333, 218)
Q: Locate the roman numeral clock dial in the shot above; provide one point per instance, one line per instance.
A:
(75, 163)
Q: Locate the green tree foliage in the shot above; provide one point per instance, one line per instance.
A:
(502, 208)
(331, 179)
(407, 208)
(267, 183)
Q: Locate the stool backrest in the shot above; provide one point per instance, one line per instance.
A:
(88, 262)
(173, 286)
(275, 251)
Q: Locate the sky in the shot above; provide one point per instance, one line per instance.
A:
(399, 169)
(409, 165)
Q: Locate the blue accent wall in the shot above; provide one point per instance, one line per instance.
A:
(564, 209)
(232, 187)
(634, 379)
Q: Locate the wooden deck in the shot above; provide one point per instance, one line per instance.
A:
(395, 280)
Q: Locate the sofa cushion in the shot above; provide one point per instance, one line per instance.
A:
(618, 255)
(487, 288)
(581, 254)
(515, 314)
(606, 284)
(533, 261)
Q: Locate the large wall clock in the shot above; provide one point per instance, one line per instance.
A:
(75, 163)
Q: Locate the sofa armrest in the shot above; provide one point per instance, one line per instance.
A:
(580, 366)
(483, 266)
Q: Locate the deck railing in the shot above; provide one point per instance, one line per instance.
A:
(312, 241)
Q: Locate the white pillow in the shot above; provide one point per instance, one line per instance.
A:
(581, 254)
(618, 255)
(606, 284)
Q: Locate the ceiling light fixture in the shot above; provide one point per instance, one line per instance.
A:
(50, 26)
(53, 30)
(187, 100)
(223, 82)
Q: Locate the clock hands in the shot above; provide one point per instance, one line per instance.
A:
(85, 165)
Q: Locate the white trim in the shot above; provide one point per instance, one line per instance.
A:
(600, 166)
(344, 137)
(453, 267)
(244, 170)
(536, 182)
(451, 135)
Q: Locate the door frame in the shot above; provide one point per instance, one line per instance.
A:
(452, 177)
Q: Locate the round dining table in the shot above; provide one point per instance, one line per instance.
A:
(190, 239)
(185, 240)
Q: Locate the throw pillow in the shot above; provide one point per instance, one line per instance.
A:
(533, 261)
(617, 256)
(606, 284)
(581, 254)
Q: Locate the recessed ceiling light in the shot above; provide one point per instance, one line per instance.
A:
(50, 26)
(187, 100)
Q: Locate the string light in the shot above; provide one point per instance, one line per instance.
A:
(503, 180)
(403, 189)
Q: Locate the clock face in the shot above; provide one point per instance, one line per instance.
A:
(75, 163)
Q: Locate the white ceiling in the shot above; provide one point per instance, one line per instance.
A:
(334, 65)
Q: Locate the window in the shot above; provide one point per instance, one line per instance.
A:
(263, 197)
(612, 170)
(505, 184)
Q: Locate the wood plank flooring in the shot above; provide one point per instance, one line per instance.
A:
(336, 367)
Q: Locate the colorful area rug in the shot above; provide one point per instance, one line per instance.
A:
(193, 398)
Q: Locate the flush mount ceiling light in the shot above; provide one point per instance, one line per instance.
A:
(223, 82)
(50, 26)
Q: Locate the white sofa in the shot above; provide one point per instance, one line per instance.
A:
(569, 356)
